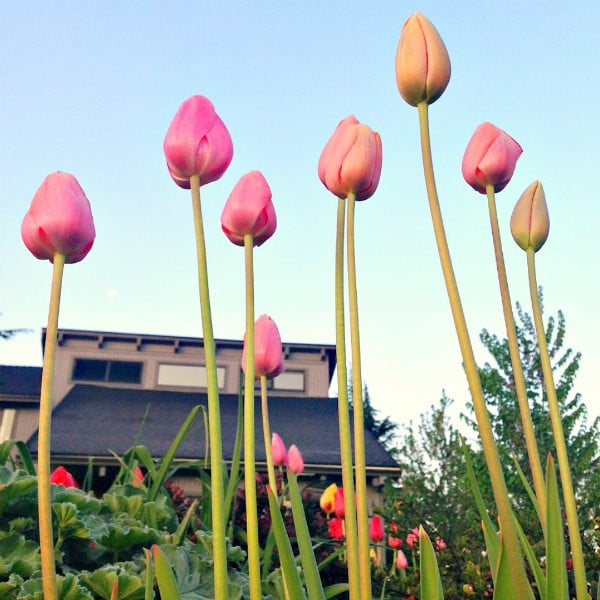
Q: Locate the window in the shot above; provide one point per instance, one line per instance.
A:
(193, 376)
(114, 371)
(289, 380)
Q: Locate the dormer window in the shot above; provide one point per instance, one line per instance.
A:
(188, 376)
(113, 371)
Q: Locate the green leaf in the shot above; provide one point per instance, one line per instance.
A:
(504, 588)
(431, 583)
(164, 575)
(331, 591)
(534, 564)
(14, 485)
(101, 582)
(125, 533)
(18, 556)
(68, 589)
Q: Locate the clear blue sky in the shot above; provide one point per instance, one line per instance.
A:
(90, 88)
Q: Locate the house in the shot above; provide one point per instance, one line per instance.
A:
(113, 390)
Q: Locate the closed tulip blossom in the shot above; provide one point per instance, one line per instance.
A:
(422, 62)
(336, 528)
(376, 529)
(401, 560)
(59, 220)
(338, 503)
(530, 221)
(295, 462)
(351, 160)
(394, 541)
(197, 143)
(412, 538)
(327, 499)
(278, 450)
(268, 352)
(60, 476)
(249, 210)
(490, 158)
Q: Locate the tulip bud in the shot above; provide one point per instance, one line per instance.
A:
(336, 528)
(59, 220)
(351, 160)
(401, 560)
(60, 476)
(422, 62)
(530, 222)
(268, 354)
(278, 451)
(376, 529)
(327, 499)
(338, 503)
(490, 158)
(295, 462)
(249, 210)
(197, 143)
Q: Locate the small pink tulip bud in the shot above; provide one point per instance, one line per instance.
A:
(490, 158)
(249, 210)
(60, 476)
(376, 529)
(530, 221)
(59, 220)
(295, 462)
(268, 353)
(422, 62)
(197, 143)
(351, 160)
(278, 451)
(401, 560)
(327, 499)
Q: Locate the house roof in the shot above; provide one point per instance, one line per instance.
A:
(94, 420)
(19, 386)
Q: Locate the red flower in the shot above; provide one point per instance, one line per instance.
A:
(412, 538)
(394, 541)
(60, 476)
(376, 529)
(336, 528)
(338, 503)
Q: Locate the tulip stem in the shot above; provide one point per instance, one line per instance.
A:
(44, 434)
(488, 444)
(267, 433)
(535, 464)
(214, 413)
(358, 410)
(249, 443)
(559, 436)
(343, 410)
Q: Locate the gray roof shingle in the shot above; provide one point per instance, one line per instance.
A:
(19, 386)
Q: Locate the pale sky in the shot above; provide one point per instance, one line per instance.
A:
(90, 88)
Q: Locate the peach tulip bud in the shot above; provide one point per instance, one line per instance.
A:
(197, 143)
(59, 220)
(351, 160)
(268, 353)
(295, 462)
(376, 529)
(249, 210)
(401, 561)
(60, 476)
(278, 451)
(422, 62)
(490, 158)
(530, 222)
(327, 499)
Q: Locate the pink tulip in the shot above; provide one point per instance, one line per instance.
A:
(351, 160)
(440, 544)
(268, 353)
(393, 540)
(401, 560)
(60, 476)
(278, 451)
(530, 221)
(490, 158)
(59, 220)
(339, 508)
(249, 210)
(336, 528)
(295, 462)
(412, 538)
(197, 143)
(422, 62)
(137, 478)
(376, 529)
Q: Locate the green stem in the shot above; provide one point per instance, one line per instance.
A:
(535, 464)
(44, 433)
(559, 436)
(267, 433)
(362, 510)
(344, 412)
(488, 443)
(249, 444)
(214, 413)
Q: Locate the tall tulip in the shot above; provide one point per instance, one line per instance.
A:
(59, 220)
(197, 143)
(249, 210)
(268, 353)
(351, 160)
(422, 62)
(490, 158)
(530, 221)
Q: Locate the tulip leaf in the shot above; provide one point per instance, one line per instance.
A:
(164, 575)
(505, 586)
(555, 548)
(431, 583)
(307, 555)
(335, 589)
(534, 565)
(528, 488)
